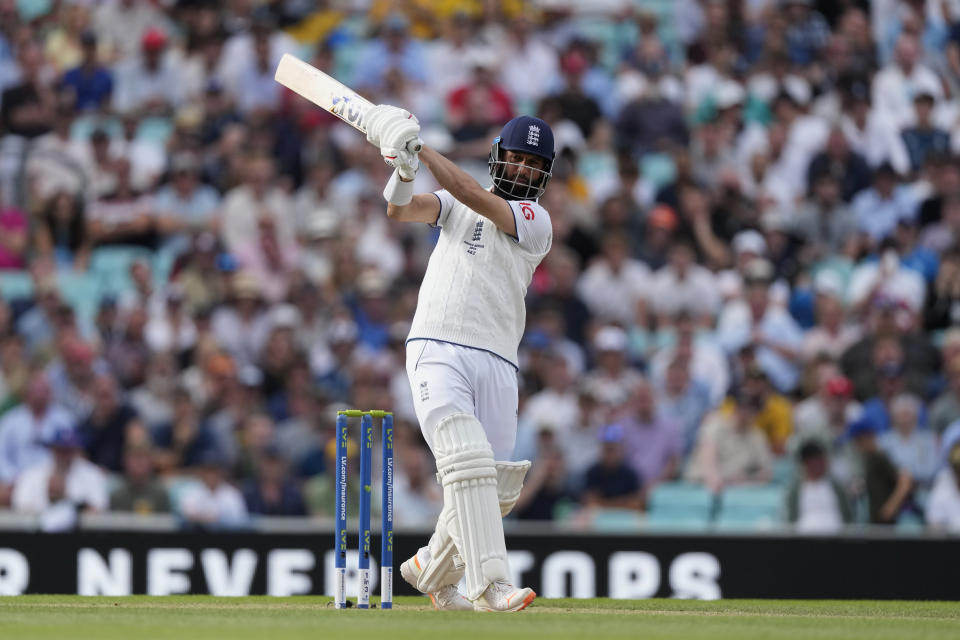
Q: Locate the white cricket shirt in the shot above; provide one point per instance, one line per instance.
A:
(477, 277)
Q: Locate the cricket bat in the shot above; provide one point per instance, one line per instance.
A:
(327, 93)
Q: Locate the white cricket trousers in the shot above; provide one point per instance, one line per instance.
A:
(448, 378)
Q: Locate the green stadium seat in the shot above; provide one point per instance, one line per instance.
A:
(681, 499)
(82, 292)
(15, 285)
(616, 520)
(681, 522)
(155, 130)
(111, 266)
(750, 506)
(783, 470)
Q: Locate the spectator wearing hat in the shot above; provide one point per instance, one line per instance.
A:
(731, 449)
(815, 502)
(887, 488)
(612, 482)
(91, 83)
(24, 428)
(61, 486)
(924, 138)
(827, 412)
(151, 82)
(613, 379)
(756, 321)
(831, 334)
(240, 325)
(656, 241)
(879, 208)
(271, 492)
(572, 99)
(909, 446)
(139, 491)
(943, 504)
(211, 501)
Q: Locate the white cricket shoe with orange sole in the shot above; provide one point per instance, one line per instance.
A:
(448, 598)
(503, 596)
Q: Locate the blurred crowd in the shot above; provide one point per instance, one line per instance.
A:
(754, 280)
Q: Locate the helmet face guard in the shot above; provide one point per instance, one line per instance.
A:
(510, 178)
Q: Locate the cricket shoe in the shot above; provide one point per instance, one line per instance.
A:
(448, 598)
(503, 596)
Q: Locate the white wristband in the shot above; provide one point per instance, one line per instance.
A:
(397, 191)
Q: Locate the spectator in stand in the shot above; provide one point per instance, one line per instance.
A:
(847, 167)
(775, 418)
(13, 237)
(909, 446)
(416, 489)
(61, 232)
(546, 492)
(91, 82)
(185, 206)
(182, 443)
(825, 222)
(613, 380)
(140, 491)
(896, 83)
(23, 430)
(612, 483)
(210, 501)
(756, 321)
(394, 48)
(616, 287)
(683, 400)
(62, 486)
(943, 504)
(653, 443)
(887, 488)
(924, 138)
(272, 492)
(150, 83)
(832, 334)
(124, 216)
(683, 284)
(255, 198)
(879, 208)
(731, 449)
(816, 503)
(946, 408)
(104, 432)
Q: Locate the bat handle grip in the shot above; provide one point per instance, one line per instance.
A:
(414, 146)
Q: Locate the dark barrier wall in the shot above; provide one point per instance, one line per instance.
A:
(119, 563)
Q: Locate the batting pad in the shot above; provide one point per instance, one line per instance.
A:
(445, 567)
(466, 469)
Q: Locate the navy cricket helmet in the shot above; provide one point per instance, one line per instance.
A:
(524, 134)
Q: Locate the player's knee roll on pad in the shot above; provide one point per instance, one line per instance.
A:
(466, 469)
(445, 567)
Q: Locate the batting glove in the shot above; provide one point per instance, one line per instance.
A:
(405, 162)
(383, 116)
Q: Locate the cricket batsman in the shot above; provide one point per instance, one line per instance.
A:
(462, 347)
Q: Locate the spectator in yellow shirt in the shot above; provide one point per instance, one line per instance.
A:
(775, 418)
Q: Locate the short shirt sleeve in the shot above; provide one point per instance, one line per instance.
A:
(534, 231)
(446, 206)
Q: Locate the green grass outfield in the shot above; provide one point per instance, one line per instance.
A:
(204, 618)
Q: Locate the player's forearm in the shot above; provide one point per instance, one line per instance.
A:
(458, 182)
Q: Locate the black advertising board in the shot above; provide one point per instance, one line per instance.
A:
(555, 565)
